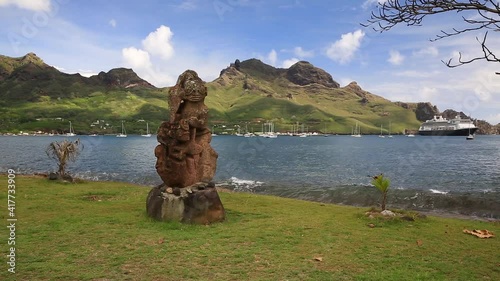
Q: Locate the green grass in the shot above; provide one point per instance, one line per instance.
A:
(100, 231)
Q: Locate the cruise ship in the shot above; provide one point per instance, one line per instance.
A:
(439, 126)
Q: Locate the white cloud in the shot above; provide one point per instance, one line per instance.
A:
(428, 93)
(186, 56)
(429, 51)
(87, 73)
(289, 62)
(344, 81)
(159, 42)
(494, 118)
(485, 84)
(424, 73)
(343, 50)
(62, 69)
(272, 57)
(301, 53)
(34, 5)
(368, 3)
(471, 88)
(188, 5)
(136, 58)
(112, 22)
(140, 61)
(395, 58)
(157, 77)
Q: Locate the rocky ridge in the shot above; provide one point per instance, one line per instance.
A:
(29, 77)
(303, 73)
(122, 78)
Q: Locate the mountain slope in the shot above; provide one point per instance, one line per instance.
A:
(28, 78)
(37, 97)
(251, 91)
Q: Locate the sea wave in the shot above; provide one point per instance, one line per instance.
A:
(438, 191)
(241, 184)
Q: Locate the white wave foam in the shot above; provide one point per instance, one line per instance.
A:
(244, 185)
(238, 181)
(413, 197)
(438, 191)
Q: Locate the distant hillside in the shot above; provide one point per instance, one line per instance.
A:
(28, 78)
(252, 91)
(426, 111)
(37, 97)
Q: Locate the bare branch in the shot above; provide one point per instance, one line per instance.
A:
(413, 12)
(488, 55)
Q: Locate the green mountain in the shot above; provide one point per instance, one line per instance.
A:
(253, 92)
(37, 97)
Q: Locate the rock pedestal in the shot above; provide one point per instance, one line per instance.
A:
(185, 160)
(198, 203)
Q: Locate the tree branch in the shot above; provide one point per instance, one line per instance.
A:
(412, 13)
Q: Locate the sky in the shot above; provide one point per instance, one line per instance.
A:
(160, 39)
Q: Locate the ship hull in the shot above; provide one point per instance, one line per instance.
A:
(460, 132)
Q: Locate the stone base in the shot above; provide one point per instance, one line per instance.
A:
(198, 203)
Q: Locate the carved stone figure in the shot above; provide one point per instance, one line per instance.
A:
(184, 155)
(185, 160)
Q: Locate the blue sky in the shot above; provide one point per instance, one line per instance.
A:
(161, 39)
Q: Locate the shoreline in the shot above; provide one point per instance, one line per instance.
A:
(228, 189)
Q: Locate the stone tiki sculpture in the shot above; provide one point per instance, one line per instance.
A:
(185, 160)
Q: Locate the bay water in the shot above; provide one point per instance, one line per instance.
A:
(436, 174)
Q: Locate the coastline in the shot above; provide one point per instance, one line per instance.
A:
(225, 188)
(105, 232)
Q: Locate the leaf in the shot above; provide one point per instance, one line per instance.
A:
(480, 233)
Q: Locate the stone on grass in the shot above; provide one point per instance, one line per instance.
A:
(388, 213)
(185, 161)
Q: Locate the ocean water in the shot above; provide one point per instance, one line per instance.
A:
(437, 174)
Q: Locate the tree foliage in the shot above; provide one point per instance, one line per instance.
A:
(382, 183)
(412, 13)
(63, 152)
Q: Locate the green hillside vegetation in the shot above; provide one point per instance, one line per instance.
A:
(100, 231)
(113, 106)
(38, 97)
(259, 92)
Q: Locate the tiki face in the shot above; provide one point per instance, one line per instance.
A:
(194, 88)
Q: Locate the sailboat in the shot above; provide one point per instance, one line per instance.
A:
(71, 132)
(381, 134)
(269, 127)
(123, 134)
(357, 131)
(390, 136)
(147, 135)
(470, 136)
(248, 134)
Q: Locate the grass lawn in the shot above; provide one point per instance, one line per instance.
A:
(100, 231)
